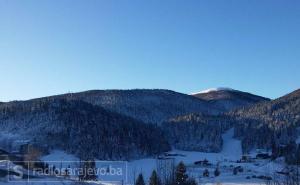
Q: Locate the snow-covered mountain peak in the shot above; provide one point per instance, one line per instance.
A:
(228, 99)
(214, 89)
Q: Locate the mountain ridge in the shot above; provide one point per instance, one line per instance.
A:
(230, 99)
(147, 105)
(177, 120)
(269, 124)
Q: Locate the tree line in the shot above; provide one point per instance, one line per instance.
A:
(181, 178)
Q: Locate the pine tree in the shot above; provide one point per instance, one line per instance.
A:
(180, 174)
(154, 179)
(298, 155)
(275, 152)
(140, 180)
(206, 173)
(235, 171)
(88, 171)
(217, 172)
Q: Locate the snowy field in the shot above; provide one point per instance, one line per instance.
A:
(226, 160)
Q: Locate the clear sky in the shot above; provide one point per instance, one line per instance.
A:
(54, 46)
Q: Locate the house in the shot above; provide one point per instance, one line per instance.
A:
(247, 159)
(205, 162)
(4, 155)
(263, 156)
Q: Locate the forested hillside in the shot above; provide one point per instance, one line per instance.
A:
(86, 124)
(269, 123)
(197, 132)
(81, 128)
(147, 105)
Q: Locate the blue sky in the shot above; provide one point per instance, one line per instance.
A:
(54, 46)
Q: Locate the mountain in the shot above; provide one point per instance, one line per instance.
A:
(94, 122)
(80, 128)
(269, 124)
(228, 99)
(147, 105)
(265, 124)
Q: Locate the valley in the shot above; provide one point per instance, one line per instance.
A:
(252, 141)
(226, 160)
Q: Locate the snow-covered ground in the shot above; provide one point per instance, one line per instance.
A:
(226, 160)
(61, 159)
